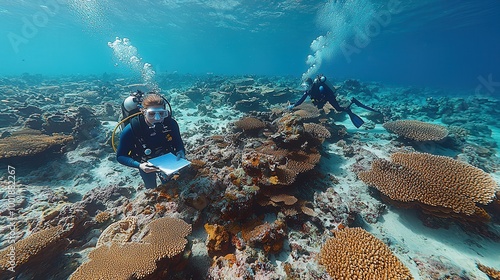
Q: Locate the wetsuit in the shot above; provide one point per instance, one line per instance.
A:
(320, 93)
(134, 143)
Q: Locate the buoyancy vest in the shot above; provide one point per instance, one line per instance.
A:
(145, 149)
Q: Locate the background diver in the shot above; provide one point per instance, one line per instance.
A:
(150, 134)
(320, 93)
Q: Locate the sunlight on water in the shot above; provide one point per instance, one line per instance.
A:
(91, 13)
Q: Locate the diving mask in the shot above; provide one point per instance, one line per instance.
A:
(156, 114)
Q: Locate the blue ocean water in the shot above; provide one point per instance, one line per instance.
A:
(449, 44)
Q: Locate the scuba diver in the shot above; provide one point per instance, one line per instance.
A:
(150, 131)
(320, 93)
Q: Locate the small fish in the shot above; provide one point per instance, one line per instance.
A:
(5, 101)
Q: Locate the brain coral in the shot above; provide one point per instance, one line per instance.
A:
(135, 260)
(417, 130)
(437, 181)
(356, 254)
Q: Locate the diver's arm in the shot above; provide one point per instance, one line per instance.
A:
(125, 146)
(302, 99)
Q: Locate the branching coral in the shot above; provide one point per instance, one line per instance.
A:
(437, 181)
(356, 254)
(417, 130)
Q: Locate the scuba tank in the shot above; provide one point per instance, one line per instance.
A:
(130, 106)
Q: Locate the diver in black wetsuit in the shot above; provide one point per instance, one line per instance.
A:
(148, 135)
(320, 93)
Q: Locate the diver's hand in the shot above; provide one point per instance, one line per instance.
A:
(180, 154)
(148, 167)
(290, 107)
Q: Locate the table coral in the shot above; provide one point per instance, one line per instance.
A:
(29, 145)
(417, 130)
(165, 238)
(443, 183)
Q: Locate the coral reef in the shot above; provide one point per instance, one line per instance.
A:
(441, 184)
(164, 238)
(249, 124)
(356, 254)
(31, 144)
(270, 185)
(417, 130)
(38, 245)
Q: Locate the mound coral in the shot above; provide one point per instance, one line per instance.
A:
(249, 124)
(356, 254)
(28, 144)
(317, 130)
(165, 239)
(441, 183)
(417, 130)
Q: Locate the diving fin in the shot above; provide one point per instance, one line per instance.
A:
(355, 119)
(355, 101)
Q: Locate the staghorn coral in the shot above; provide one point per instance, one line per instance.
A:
(249, 124)
(29, 247)
(356, 254)
(28, 145)
(417, 130)
(441, 182)
(128, 260)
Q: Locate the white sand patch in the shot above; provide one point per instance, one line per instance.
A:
(411, 238)
(408, 237)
